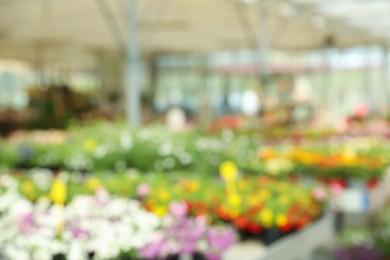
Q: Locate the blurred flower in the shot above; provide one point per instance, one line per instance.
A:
(229, 171)
(143, 190)
(281, 220)
(58, 192)
(178, 209)
(184, 235)
(28, 188)
(266, 217)
(319, 194)
(93, 184)
(90, 144)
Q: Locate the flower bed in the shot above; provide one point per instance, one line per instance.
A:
(100, 227)
(365, 159)
(368, 241)
(116, 147)
(262, 208)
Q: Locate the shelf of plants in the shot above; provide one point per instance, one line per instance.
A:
(74, 214)
(67, 195)
(108, 147)
(370, 241)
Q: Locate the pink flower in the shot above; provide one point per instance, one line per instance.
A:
(336, 189)
(26, 223)
(319, 194)
(102, 197)
(143, 190)
(79, 233)
(178, 209)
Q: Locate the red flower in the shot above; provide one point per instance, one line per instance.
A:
(189, 205)
(254, 228)
(223, 214)
(286, 228)
(301, 223)
(372, 183)
(241, 223)
(337, 182)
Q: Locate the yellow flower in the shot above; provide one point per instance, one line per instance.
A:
(234, 212)
(58, 192)
(266, 217)
(193, 186)
(90, 144)
(228, 171)
(28, 187)
(281, 220)
(160, 210)
(163, 195)
(93, 184)
(234, 200)
(267, 153)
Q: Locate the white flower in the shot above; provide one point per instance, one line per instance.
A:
(29, 231)
(126, 140)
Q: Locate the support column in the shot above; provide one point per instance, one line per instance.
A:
(151, 72)
(133, 67)
(368, 91)
(330, 102)
(385, 80)
(206, 115)
(263, 43)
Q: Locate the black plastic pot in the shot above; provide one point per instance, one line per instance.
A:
(195, 256)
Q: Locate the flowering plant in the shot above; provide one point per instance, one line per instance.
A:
(108, 147)
(277, 204)
(363, 158)
(183, 235)
(97, 226)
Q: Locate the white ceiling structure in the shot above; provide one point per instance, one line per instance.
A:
(73, 30)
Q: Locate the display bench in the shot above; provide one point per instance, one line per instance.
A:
(297, 246)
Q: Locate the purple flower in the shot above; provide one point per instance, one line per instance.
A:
(78, 232)
(182, 235)
(26, 223)
(212, 255)
(153, 250)
(358, 252)
(220, 239)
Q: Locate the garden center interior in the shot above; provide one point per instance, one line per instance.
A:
(207, 129)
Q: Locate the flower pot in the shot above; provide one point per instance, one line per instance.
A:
(272, 234)
(195, 256)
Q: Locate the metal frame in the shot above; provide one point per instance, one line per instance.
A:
(133, 67)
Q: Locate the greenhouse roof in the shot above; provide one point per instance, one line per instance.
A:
(48, 30)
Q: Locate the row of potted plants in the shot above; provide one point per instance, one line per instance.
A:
(254, 205)
(363, 158)
(116, 147)
(370, 241)
(100, 226)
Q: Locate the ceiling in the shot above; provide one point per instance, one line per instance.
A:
(42, 31)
